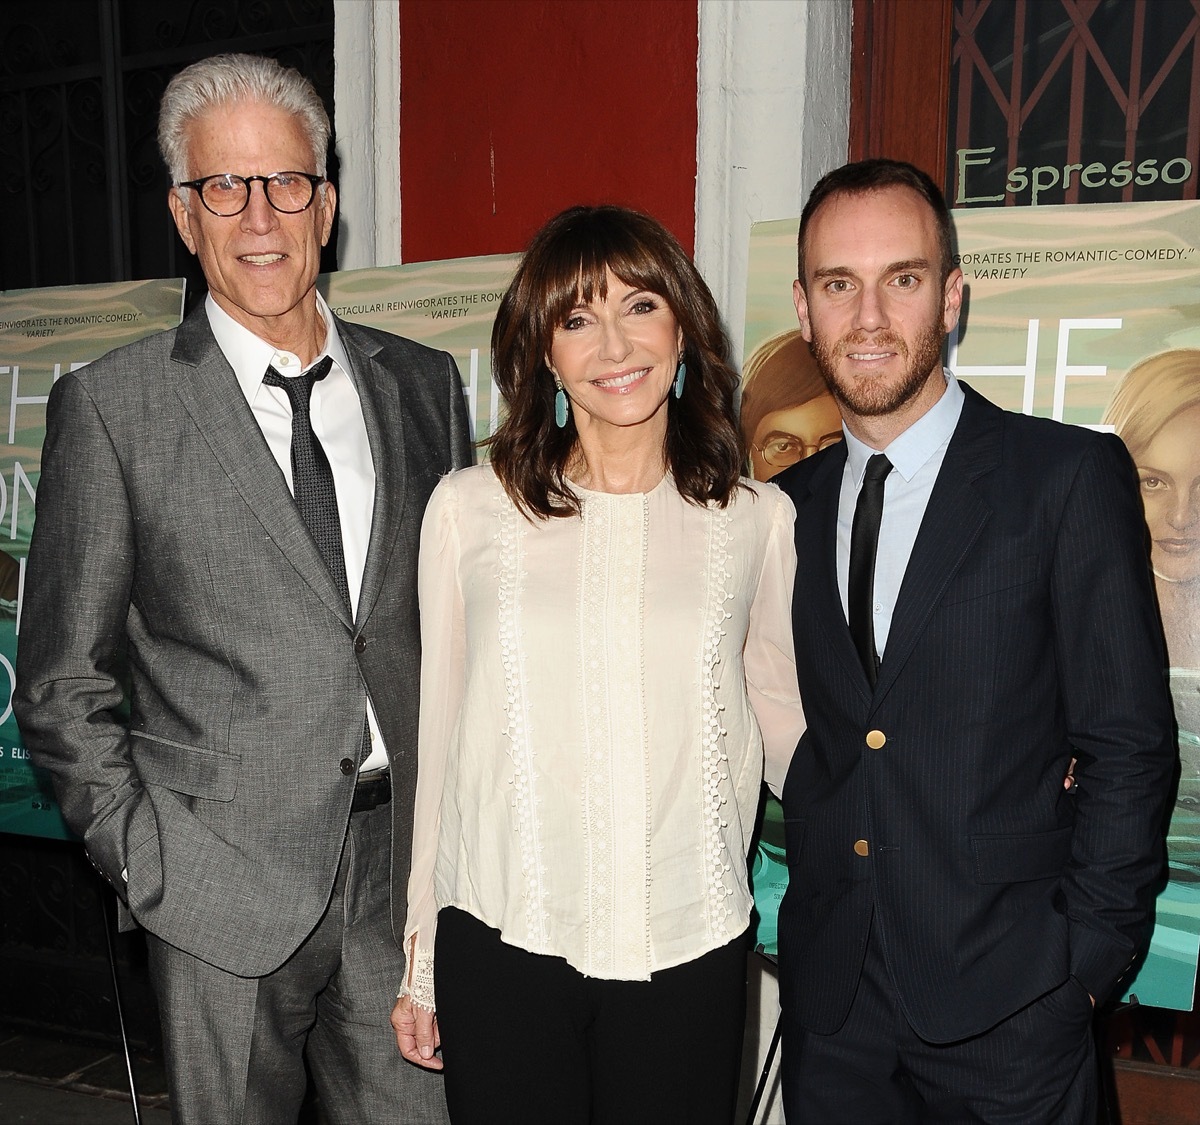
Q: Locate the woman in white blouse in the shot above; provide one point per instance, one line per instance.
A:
(600, 608)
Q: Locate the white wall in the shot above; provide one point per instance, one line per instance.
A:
(366, 96)
(774, 113)
(774, 116)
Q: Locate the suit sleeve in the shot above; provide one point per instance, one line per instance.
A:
(443, 677)
(1111, 658)
(461, 444)
(77, 598)
(770, 656)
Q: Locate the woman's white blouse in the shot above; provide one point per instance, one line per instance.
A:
(589, 763)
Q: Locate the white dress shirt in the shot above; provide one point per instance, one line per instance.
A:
(337, 420)
(589, 761)
(916, 457)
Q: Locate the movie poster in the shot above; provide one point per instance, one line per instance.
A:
(448, 305)
(45, 333)
(1089, 314)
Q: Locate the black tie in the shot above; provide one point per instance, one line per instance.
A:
(312, 485)
(312, 478)
(864, 540)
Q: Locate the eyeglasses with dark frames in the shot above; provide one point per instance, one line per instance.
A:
(786, 449)
(227, 195)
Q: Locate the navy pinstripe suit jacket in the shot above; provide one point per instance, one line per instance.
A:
(1025, 634)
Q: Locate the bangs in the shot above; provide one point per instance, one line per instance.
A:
(577, 263)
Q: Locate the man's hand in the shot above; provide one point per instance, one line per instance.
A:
(416, 1033)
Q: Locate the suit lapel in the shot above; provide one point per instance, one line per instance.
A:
(953, 521)
(210, 393)
(822, 585)
(383, 414)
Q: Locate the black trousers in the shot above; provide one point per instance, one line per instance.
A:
(1035, 1068)
(528, 1040)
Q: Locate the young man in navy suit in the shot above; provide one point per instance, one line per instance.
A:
(973, 611)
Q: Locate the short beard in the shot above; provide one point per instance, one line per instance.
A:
(873, 398)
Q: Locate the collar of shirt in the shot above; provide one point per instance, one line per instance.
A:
(912, 449)
(250, 355)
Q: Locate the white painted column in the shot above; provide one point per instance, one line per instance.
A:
(774, 116)
(366, 94)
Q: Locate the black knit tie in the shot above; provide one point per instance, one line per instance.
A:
(864, 542)
(312, 478)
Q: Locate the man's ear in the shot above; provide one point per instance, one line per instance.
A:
(329, 209)
(182, 217)
(952, 299)
(800, 300)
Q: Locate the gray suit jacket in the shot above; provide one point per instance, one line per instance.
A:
(165, 529)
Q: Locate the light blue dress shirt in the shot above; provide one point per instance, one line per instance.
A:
(916, 457)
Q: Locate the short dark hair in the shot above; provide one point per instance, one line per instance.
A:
(565, 264)
(865, 176)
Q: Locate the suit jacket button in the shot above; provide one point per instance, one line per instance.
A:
(861, 847)
(347, 767)
(876, 739)
(360, 643)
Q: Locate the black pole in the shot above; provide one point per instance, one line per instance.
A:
(112, 964)
(766, 1072)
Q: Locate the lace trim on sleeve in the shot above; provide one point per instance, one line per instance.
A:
(421, 989)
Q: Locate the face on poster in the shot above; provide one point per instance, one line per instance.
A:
(45, 333)
(1089, 314)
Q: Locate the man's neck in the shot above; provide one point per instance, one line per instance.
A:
(301, 330)
(880, 430)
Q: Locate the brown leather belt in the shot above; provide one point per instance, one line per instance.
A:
(372, 790)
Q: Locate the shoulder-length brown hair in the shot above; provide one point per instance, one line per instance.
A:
(566, 265)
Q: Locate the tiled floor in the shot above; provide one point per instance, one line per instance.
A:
(29, 1103)
(54, 1080)
(46, 1080)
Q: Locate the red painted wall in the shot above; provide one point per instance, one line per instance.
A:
(511, 110)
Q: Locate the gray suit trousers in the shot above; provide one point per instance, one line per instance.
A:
(236, 1046)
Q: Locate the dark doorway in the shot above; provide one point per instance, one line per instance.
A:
(83, 195)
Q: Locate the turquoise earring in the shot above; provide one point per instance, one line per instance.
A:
(680, 375)
(560, 404)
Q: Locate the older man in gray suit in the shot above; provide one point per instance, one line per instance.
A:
(236, 505)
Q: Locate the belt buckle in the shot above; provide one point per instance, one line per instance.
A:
(372, 790)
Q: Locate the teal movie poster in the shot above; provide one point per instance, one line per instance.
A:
(45, 333)
(1089, 314)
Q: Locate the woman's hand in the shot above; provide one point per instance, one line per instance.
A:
(416, 1033)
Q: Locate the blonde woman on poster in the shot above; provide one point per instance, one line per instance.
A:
(1156, 411)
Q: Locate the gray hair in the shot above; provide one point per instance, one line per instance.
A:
(228, 79)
